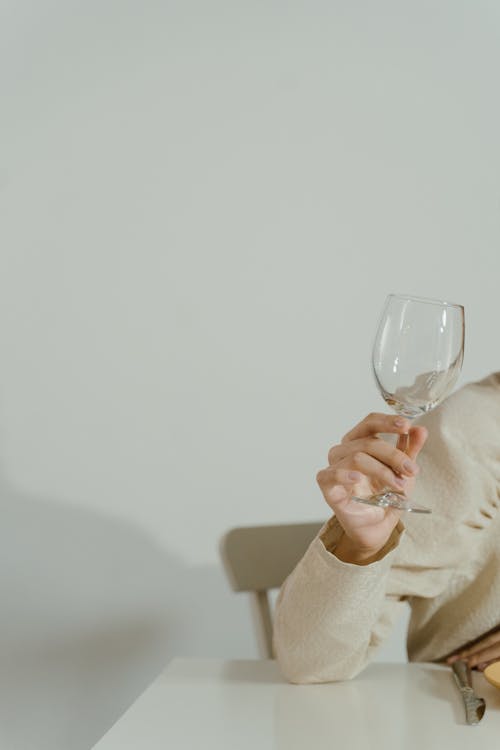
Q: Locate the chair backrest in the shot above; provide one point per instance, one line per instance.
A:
(259, 558)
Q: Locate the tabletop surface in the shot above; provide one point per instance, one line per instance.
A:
(220, 704)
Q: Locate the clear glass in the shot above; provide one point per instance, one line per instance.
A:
(417, 358)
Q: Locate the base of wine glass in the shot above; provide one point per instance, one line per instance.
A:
(390, 499)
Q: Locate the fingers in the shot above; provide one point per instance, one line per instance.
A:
(363, 457)
(492, 653)
(337, 485)
(378, 473)
(489, 640)
(484, 656)
(375, 423)
(487, 649)
(400, 463)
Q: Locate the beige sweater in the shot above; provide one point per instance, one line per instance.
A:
(331, 616)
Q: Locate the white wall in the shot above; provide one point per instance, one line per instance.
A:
(203, 206)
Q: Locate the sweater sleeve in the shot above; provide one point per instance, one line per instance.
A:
(331, 615)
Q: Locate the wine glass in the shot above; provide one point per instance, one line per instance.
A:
(417, 358)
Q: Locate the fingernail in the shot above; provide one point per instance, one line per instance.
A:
(482, 666)
(451, 659)
(399, 481)
(399, 422)
(355, 476)
(409, 466)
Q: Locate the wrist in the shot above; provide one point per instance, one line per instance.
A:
(350, 552)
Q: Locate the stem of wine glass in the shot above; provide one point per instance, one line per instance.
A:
(404, 442)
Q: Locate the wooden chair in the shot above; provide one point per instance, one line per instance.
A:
(259, 558)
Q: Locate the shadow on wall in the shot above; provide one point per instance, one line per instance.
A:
(91, 611)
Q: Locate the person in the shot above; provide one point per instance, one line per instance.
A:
(368, 563)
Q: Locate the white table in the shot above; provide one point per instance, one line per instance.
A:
(240, 705)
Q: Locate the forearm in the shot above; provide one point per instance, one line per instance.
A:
(327, 614)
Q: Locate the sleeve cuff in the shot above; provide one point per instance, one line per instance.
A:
(330, 534)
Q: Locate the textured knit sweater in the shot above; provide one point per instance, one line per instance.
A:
(331, 616)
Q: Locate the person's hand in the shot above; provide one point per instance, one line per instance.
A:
(361, 465)
(482, 653)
